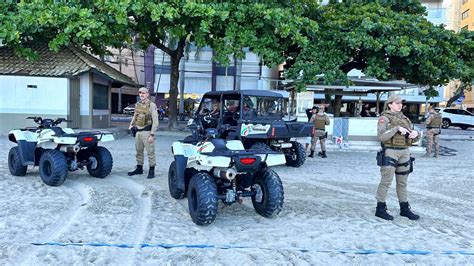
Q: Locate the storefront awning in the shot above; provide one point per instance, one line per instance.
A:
(361, 87)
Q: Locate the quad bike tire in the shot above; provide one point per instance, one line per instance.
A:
(14, 162)
(260, 146)
(102, 162)
(175, 192)
(297, 155)
(268, 200)
(202, 199)
(53, 168)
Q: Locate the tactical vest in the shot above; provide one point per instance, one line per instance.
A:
(143, 114)
(435, 121)
(320, 122)
(397, 120)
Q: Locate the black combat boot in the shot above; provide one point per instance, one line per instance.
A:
(311, 154)
(323, 154)
(137, 171)
(151, 172)
(320, 153)
(405, 211)
(381, 211)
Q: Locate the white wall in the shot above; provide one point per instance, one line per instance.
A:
(49, 97)
(85, 99)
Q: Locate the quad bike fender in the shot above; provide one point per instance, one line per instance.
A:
(187, 150)
(49, 135)
(17, 134)
(213, 161)
(235, 145)
(273, 159)
(181, 163)
(106, 137)
(26, 141)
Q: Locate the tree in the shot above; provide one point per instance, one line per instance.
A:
(383, 39)
(226, 26)
(467, 54)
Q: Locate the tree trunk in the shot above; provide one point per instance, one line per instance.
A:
(337, 105)
(328, 101)
(175, 58)
(173, 98)
(454, 98)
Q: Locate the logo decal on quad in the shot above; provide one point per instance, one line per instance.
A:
(251, 129)
(203, 147)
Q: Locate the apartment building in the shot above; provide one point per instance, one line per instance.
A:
(467, 14)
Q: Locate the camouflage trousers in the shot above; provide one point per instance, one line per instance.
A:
(141, 144)
(321, 135)
(432, 137)
(400, 172)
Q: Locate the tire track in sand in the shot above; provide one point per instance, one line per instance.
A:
(431, 214)
(79, 197)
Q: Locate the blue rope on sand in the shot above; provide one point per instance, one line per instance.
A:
(210, 246)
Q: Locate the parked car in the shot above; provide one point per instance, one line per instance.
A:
(456, 117)
(129, 110)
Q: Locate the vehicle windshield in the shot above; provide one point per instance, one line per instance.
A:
(261, 108)
(209, 106)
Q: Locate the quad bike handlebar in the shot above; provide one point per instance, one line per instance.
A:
(48, 122)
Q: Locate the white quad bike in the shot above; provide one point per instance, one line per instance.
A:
(58, 150)
(216, 169)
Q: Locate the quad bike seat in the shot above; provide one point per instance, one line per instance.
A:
(58, 131)
(219, 144)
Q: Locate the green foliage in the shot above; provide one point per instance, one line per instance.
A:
(384, 39)
(268, 28)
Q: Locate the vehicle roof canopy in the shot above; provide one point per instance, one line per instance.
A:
(258, 93)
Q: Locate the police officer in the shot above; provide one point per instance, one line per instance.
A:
(309, 114)
(396, 135)
(320, 120)
(433, 129)
(146, 121)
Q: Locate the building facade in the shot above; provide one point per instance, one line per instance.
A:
(69, 83)
(467, 14)
(131, 63)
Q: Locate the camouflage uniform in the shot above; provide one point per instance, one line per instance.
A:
(396, 149)
(433, 129)
(394, 159)
(320, 121)
(146, 116)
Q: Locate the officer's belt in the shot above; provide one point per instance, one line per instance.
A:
(147, 128)
(395, 148)
(429, 127)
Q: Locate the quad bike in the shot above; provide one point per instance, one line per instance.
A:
(215, 169)
(58, 150)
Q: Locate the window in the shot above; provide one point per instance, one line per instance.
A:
(465, 14)
(209, 105)
(449, 111)
(100, 97)
(262, 107)
(463, 112)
